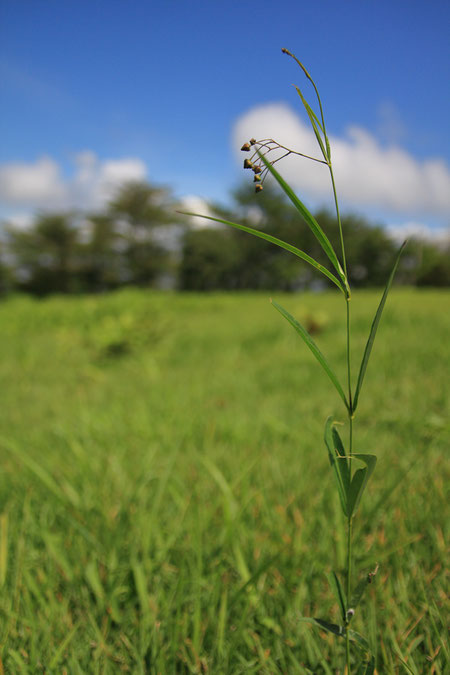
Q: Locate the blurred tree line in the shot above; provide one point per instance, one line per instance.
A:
(139, 239)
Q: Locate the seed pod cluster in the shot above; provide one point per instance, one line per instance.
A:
(256, 168)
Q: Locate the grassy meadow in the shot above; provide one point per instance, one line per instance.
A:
(166, 501)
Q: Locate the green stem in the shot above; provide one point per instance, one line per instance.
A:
(350, 419)
(349, 551)
(344, 261)
(349, 378)
(350, 521)
(349, 578)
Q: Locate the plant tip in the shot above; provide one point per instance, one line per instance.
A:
(248, 164)
(258, 187)
(246, 147)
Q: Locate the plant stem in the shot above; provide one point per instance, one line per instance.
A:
(349, 379)
(350, 520)
(349, 577)
(338, 215)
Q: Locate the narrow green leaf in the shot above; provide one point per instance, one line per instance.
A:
(399, 654)
(342, 463)
(360, 640)
(309, 110)
(373, 330)
(140, 582)
(314, 348)
(326, 625)
(336, 585)
(93, 579)
(273, 240)
(327, 143)
(62, 647)
(359, 481)
(367, 667)
(341, 478)
(314, 121)
(310, 220)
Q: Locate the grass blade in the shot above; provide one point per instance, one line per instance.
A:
(310, 221)
(373, 330)
(314, 348)
(340, 466)
(360, 640)
(359, 481)
(326, 625)
(314, 122)
(3, 547)
(340, 453)
(336, 584)
(273, 240)
(367, 667)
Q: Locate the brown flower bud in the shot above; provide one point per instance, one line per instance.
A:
(248, 164)
(256, 168)
(246, 147)
(256, 178)
(252, 141)
(258, 187)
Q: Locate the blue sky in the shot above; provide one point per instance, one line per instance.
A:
(97, 92)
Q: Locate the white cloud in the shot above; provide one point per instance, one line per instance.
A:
(20, 220)
(42, 185)
(367, 173)
(435, 235)
(195, 204)
(31, 184)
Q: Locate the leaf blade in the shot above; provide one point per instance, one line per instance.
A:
(342, 485)
(273, 240)
(336, 584)
(314, 121)
(325, 625)
(359, 481)
(314, 348)
(374, 328)
(310, 221)
(343, 466)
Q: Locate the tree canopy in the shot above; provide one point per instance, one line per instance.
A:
(124, 244)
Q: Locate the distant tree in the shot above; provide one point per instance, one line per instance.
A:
(101, 264)
(218, 257)
(228, 258)
(209, 260)
(140, 208)
(432, 264)
(265, 265)
(45, 255)
(369, 250)
(6, 273)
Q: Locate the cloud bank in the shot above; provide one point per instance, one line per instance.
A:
(42, 184)
(367, 173)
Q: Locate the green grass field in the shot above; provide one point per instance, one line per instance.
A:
(167, 505)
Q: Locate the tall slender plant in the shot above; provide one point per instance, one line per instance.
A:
(351, 470)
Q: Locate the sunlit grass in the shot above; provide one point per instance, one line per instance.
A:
(166, 506)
